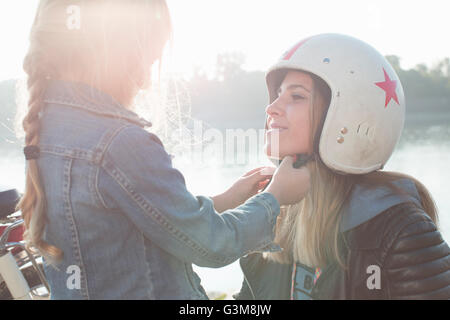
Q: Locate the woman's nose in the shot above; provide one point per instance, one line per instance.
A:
(274, 109)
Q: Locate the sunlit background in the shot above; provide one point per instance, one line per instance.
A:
(417, 31)
(257, 32)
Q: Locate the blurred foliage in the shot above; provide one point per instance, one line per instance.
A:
(423, 82)
(235, 98)
(217, 295)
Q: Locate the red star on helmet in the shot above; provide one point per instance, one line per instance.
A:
(389, 87)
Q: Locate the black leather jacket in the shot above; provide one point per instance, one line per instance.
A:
(413, 260)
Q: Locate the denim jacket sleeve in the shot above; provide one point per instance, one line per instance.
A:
(138, 178)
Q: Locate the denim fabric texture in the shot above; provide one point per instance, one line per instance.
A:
(122, 214)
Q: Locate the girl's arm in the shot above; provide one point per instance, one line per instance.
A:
(137, 177)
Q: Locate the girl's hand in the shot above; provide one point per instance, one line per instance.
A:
(245, 187)
(289, 185)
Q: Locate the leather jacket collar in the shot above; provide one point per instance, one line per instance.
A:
(366, 203)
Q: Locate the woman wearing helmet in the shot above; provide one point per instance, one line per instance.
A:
(360, 233)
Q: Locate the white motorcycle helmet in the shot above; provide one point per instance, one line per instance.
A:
(367, 108)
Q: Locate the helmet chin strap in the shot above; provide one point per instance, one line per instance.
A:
(301, 159)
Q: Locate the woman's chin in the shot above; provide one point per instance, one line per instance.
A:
(272, 154)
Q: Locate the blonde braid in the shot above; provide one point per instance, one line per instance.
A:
(33, 203)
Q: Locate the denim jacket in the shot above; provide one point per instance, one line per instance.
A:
(120, 212)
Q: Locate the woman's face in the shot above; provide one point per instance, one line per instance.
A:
(288, 117)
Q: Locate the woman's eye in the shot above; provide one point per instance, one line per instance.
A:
(297, 97)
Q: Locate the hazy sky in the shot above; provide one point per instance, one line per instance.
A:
(417, 31)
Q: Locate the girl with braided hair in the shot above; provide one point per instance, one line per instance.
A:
(103, 205)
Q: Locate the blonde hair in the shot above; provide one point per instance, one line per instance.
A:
(309, 231)
(112, 49)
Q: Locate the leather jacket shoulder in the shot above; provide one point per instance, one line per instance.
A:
(404, 244)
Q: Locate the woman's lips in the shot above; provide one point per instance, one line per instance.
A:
(276, 127)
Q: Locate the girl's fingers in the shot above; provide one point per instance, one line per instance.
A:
(268, 171)
(253, 171)
(262, 173)
(262, 184)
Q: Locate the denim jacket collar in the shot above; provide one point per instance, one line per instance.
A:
(83, 96)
